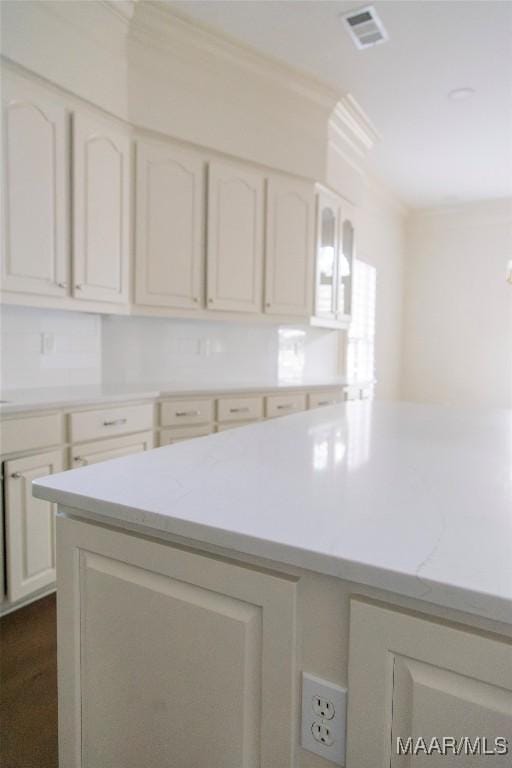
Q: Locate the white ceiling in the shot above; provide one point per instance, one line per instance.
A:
(432, 150)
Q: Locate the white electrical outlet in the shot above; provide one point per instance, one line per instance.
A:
(324, 712)
(47, 343)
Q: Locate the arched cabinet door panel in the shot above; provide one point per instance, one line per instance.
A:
(170, 203)
(35, 169)
(235, 238)
(290, 247)
(101, 206)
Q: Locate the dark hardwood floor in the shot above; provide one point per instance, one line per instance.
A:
(28, 687)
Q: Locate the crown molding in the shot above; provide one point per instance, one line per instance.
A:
(155, 24)
(476, 210)
(350, 126)
(122, 9)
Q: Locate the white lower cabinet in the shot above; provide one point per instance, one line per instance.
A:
(103, 450)
(171, 435)
(416, 681)
(168, 657)
(239, 409)
(329, 397)
(281, 405)
(30, 526)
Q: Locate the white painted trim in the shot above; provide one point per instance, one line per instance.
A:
(498, 208)
(350, 124)
(163, 26)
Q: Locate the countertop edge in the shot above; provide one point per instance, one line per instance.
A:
(483, 605)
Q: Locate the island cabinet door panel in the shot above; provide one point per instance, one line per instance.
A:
(35, 169)
(101, 206)
(170, 203)
(235, 238)
(171, 658)
(420, 690)
(30, 526)
(290, 247)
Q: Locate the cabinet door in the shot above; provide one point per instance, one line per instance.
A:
(101, 205)
(30, 526)
(290, 247)
(103, 450)
(235, 238)
(345, 267)
(327, 249)
(196, 656)
(411, 678)
(35, 169)
(170, 227)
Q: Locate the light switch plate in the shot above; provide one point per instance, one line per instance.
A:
(324, 714)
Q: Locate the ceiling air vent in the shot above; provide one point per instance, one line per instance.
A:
(365, 27)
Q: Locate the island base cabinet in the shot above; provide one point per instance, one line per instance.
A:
(419, 691)
(168, 657)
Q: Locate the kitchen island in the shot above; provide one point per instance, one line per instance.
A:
(369, 544)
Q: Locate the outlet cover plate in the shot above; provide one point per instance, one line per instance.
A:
(314, 686)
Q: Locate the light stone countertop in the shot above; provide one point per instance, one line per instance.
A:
(23, 400)
(415, 499)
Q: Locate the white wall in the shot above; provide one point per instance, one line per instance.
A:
(381, 241)
(458, 308)
(74, 360)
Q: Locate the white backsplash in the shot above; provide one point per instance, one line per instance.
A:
(143, 349)
(47, 348)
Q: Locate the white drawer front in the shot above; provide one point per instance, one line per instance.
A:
(26, 434)
(186, 412)
(240, 409)
(103, 450)
(177, 434)
(330, 397)
(90, 425)
(233, 425)
(280, 405)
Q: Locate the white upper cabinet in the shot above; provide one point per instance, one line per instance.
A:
(35, 170)
(289, 247)
(235, 238)
(170, 203)
(334, 260)
(101, 206)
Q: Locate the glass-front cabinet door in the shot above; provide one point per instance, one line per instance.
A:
(334, 260)
(326, 256)
(345, 269)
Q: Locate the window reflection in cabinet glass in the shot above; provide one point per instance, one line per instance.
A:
(326, 263)
(345, 268)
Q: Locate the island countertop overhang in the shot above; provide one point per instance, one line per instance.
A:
(414, 499)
